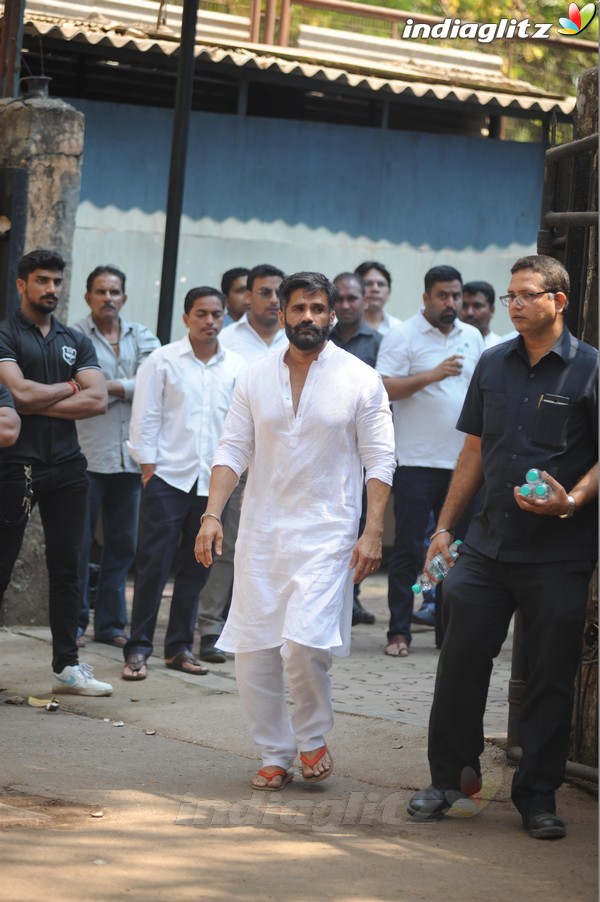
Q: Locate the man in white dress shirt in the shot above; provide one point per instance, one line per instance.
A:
(182, 396)
(378, 287)
(114, 478)
(478, 308)
(233, 286)
(426, 365)
(305, 421)
(257, 333)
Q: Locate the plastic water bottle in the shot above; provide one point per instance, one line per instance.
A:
(535, 485)
(438, 569)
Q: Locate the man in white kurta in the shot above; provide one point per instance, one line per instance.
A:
(305, 421)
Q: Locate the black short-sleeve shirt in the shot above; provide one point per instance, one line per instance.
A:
(55, 357)
(543, 416)
(6, 399)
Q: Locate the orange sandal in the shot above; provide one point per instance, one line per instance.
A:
(286, 777)
(310, 762)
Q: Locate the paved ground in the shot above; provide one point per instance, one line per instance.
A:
(179, 820)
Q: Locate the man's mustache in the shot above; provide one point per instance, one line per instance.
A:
(310, 326)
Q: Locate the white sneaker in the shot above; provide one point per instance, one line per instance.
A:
(78, 679)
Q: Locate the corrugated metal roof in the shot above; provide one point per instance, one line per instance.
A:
(458, 85)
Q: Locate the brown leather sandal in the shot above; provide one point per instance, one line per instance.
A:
(135, 663)
(186, 663)
(397, 647)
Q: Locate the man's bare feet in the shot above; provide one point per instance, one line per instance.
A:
(397, 647)
(316, 765)
(271, 778)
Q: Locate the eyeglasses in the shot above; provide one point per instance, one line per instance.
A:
(376, 283)
(523, 300)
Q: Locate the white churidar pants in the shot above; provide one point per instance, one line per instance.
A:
(278, 734)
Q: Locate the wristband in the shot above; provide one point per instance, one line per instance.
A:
(214, 516)
(75, 386)
(439, 532)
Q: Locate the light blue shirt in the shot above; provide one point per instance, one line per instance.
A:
(103, 439)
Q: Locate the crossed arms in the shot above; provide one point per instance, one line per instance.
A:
(57, 399)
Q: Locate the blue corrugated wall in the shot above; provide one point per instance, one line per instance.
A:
(302, 196)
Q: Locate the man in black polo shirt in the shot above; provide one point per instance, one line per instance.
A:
(353, 334)
(53, 375)
(532, 402)
(10, 422)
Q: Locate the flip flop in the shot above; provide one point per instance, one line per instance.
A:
(194, 666)
(286, 775)
(397, 647)
(310, 762)
(137, 665)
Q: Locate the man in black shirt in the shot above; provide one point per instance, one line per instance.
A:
(532, 402)
(353, 334)
(53, 375)
(10, 423)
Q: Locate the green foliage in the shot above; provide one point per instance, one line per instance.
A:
(555, 69)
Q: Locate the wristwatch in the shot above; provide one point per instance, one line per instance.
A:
(571, 510)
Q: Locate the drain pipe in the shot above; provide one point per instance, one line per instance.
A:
(572, 769)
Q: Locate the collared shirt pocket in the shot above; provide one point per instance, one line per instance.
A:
(551, 421)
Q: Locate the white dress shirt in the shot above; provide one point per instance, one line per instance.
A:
(179, 406)
(103, 439)
(425, 422)
(303, 497)
(492, 338)
(388, 323)
(245, 341)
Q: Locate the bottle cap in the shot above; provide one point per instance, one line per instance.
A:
(417, 588)
(533, 475)
(542, 490)
(526, 489)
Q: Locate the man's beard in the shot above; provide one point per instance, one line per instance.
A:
(44, 309)
(307, 336)
(448, 318)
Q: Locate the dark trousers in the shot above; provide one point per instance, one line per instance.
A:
(60, 491)
(480, 597)
(168, 526)
(417, 492)
(117, 497)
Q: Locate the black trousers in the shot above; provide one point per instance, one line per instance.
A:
(60, 491)
(168, 526)
(480, 597)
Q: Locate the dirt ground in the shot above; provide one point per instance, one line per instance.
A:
(160, 808)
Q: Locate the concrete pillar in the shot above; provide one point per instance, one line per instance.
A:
(44, 136)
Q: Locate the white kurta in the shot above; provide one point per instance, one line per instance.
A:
(302, 502)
